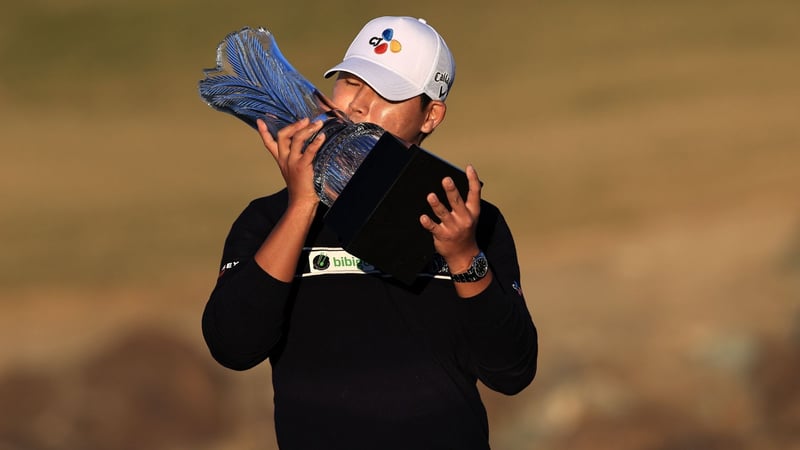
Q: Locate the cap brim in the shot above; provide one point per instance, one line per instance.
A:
(385, 82)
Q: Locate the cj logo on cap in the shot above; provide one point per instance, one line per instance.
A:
(385, 42)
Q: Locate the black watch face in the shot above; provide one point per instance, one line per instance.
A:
(481, 266)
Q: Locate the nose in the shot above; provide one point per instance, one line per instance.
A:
(359, 104)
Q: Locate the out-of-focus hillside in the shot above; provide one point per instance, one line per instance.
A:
(645, 154)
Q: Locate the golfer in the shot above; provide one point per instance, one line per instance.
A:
(360, 360)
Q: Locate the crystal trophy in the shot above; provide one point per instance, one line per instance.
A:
(374, 185)
(254, 80)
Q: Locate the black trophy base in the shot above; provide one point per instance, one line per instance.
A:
(376, 216)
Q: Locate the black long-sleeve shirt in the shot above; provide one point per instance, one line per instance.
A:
(361, 361)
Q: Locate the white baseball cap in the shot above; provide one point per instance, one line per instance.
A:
(400, 58)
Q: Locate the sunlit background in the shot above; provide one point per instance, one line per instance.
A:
(645, 154)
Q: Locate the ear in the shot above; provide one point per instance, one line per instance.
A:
(434, 115)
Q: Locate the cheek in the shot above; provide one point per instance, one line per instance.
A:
(402, 123)
(341, 97)
(339, 100)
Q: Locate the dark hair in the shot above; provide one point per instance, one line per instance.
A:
(425, 100)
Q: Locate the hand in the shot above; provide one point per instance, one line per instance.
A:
(454, 237)
(296, 165)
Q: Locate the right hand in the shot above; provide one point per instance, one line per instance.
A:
(296, 166)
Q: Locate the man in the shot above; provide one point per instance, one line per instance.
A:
(361, 361)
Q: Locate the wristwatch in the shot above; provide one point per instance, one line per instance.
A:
(477, 270)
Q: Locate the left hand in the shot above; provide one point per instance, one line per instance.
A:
(454, 237)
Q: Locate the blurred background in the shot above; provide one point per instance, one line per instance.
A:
(645, 154)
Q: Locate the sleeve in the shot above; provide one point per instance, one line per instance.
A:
(499, 329)
(244, 317)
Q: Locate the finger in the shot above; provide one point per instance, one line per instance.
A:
(313, 147)
(289, 130)
(438, 207)
(286, 136)
(474, 195)
(427, 223)
(267, 139)
(451, 191)
(316, 129)
(300, 139)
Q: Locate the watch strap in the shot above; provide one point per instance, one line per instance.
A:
(477, 270)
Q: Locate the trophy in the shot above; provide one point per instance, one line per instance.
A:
(373, 185)
(253, 80)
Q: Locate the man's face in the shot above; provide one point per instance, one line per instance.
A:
(404, 119)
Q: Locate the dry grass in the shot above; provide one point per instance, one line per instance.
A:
(647, 156)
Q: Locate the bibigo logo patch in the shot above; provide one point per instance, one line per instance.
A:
(332, 261)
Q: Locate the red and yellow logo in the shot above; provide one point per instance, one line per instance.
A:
(385, 42)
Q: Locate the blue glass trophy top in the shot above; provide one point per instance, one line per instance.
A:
(252, 80)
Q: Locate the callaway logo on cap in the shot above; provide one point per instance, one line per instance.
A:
(400, 57)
